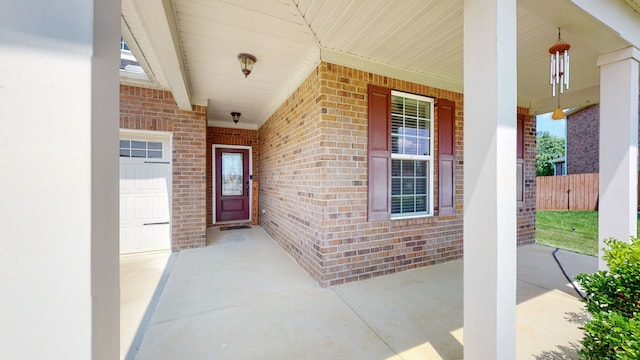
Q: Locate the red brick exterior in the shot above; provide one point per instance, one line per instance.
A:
(310, 158)
(148, 109)
(313, 178)
(527, 212)
(228, 136)
(583, 139)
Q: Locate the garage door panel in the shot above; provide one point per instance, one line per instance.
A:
(144, 199)
(160, 207)
(151, 207)
(139, 176)
(146, 235)
(125, 206)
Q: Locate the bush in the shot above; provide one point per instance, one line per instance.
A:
(613, 299)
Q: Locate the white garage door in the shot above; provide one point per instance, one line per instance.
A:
(145, 201)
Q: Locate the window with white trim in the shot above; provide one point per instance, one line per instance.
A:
(411, 155)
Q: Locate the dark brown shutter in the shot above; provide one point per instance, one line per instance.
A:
(379, 105)
(520, 135)
(446, 156)
(520, 161)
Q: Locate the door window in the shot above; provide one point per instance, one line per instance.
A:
(232, 174)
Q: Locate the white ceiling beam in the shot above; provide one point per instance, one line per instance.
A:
(598, 34)
(616, 15)
(158, 20)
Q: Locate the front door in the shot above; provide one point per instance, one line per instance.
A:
(232, 184)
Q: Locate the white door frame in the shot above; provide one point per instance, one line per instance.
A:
(167, 156)
(213, 177)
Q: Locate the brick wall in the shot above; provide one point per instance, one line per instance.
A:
(313, 175)
(148, 109)
(527, 212)
(583, 139)
(292, 162)
(228, 136)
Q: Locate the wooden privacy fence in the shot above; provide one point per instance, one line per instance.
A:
(567, 192)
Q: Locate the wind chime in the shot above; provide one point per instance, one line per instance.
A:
(559, 72)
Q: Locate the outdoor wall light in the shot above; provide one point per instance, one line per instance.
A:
(246, 63)
(235, 116)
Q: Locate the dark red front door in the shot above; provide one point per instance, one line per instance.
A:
(232, 184)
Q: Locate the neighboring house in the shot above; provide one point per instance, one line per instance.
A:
(559, 167)
(583, 138)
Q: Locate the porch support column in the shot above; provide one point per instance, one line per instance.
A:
(490, 179)
(618, 200)
(59, 183)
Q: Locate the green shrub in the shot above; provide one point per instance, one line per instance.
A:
(613, 299)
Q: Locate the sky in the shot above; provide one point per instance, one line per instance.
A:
(554, 127)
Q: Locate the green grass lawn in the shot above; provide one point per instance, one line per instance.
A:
(570, 230)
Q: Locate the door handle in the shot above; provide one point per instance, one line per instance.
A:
(157, 223)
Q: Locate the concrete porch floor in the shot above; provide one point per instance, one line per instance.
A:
(243, 297)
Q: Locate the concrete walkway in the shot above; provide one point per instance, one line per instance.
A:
(243, 297)
(140, 275)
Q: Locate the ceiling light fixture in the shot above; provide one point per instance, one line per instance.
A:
(235, 116)
(559, 72)
(246, 63)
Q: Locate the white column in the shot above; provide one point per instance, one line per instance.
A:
(618, 199)
(59, 183)
(489, 179)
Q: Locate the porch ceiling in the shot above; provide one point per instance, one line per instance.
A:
(190, 47)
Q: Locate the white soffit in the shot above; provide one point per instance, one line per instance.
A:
(635, 5)
(392, 40)
(420, 41)
(213, 33)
